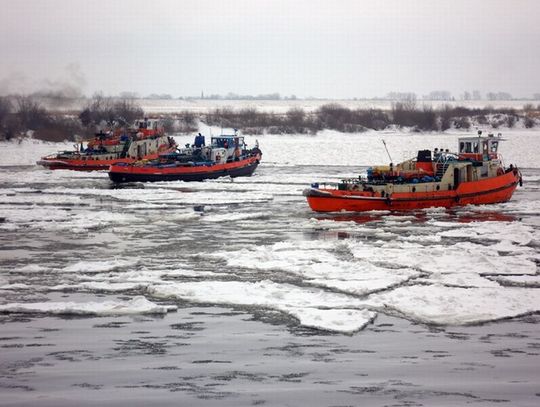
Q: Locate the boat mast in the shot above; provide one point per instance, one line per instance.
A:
(387, 151)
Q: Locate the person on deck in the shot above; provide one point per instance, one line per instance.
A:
(199, 141)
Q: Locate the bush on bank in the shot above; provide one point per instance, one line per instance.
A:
(22, 114)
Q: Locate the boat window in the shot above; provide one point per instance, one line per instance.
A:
(465, 147)
(475, 147)
(494, 146)
(221, 141)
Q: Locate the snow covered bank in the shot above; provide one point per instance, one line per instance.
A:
(326, 148)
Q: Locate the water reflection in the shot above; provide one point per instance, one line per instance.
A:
(126, 185)
(360, 218)
(420, 216)
(483, 216)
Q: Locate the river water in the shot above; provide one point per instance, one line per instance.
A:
(232, 292)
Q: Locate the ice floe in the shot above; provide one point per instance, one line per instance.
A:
(137, 305)
(522, 281)
(99, 266)
(318, 308)
(319, 263)
(336, 320)
(102, 286)
(252, 242)
(439, 304)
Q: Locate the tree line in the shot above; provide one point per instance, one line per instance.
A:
(343, 119)
(20, 115)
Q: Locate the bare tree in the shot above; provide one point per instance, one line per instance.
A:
(5, 109)
(30, 113)
(296, 117)
(127, 110)
(101, 108)
(7, 121)
(439, 95)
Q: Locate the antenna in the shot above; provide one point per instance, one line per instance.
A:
(387, 151)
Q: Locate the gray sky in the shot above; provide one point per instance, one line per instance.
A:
(336, 49)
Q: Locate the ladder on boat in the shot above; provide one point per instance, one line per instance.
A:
(442, 165)
(441, 169)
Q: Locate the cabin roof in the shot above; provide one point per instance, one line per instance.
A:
(480, 138)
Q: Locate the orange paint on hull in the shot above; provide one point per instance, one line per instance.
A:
(133, 173)
(94, 165)
(488, 191)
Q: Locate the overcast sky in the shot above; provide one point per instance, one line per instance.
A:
(334, 49)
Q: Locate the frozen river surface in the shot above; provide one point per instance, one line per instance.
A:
(233, 293)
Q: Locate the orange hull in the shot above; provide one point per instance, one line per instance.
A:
(87, 163)
(151, 173)
(488, 191)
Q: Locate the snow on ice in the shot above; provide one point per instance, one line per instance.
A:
(253, 243)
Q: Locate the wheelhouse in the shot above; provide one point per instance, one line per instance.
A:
(479, 148)
(226, 141)
(150, 124)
